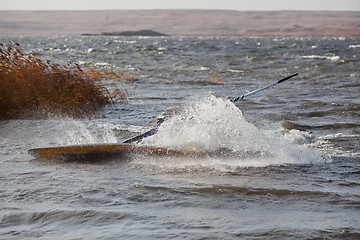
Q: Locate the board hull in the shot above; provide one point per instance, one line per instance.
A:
(96, 149)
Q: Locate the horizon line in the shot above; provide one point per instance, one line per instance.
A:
(183, 9)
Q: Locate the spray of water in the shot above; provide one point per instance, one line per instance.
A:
(87, 132)
(217, 126)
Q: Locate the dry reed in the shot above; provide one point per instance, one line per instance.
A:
(31, 87)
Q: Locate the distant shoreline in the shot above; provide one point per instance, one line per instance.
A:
(147, 33)
(182, 22)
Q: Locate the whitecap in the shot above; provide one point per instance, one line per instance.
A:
(354, 46)
(331, 58)
(236, 70)
(101, 64)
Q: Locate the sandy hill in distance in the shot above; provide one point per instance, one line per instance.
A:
(183, 22)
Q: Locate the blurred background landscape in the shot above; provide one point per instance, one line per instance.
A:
(183, 22)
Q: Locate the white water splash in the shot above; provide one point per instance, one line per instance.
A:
(218, 126)
(299, 137)
(87, 132)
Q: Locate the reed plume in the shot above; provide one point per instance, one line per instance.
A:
(31, 87)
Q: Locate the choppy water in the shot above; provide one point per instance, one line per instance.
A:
(284, 164)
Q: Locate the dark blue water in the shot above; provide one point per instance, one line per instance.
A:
(283, 164)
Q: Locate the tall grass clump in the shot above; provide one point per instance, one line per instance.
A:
(31, 87)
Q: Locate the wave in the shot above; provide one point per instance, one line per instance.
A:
(249, 191)
(330, 234)
(331, 58)
(306, 127)
(354, 46)
(65, 217)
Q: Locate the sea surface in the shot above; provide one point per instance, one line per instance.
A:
(281, 164)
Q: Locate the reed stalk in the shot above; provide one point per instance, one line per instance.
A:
(35, 88)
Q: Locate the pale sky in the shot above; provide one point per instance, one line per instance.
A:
(336, 5)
